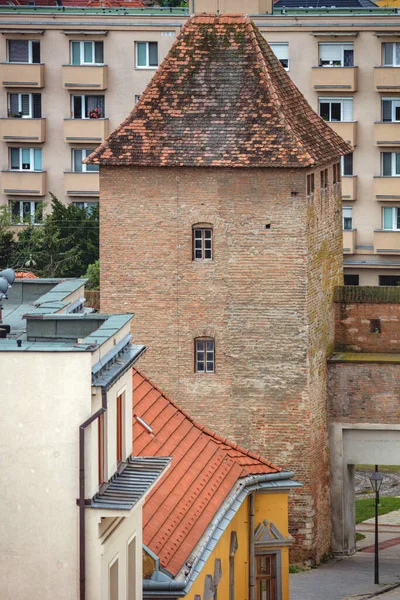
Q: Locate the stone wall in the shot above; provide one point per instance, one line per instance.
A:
(367, 319)
(266, 298)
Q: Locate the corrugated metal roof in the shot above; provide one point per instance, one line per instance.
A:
(126, 488)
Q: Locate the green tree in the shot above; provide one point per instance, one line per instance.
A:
(93, 276)
(7, 240)
(173, 3)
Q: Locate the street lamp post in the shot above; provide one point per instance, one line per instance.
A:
(376, 482)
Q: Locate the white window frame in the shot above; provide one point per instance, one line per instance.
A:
(330, 101)
(147, 66)
(83, 105)
(204, 341)
(349, 209)
(20, 94)
(85, 153)
(395, 210)
(82, 52)
(342, 167)
(30, 52)
(33, 204)
(338, 44)
(395, 103)
(277, 45)
(394, 64)
(31, 159)
(393, 159)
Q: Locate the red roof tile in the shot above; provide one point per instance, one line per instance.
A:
(25, 275)
(221, 98)
(204, 469)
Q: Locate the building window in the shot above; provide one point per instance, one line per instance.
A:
(324, 179)
(202, 243)
(266, 577)
(391, 54)
(347, 217)
(391, 218)
(25, 159)
(336, 55)
(336, 173)
(113, 580)
(146, 55)
(88, 206)
(26, 212)
(310, 184)
(120, 427)
(27, 106)
(392, 280)
(205, 356)
(336, 109)
(390, 164)
(351, 279)
(23, 51)
(87, 53)
(78, 155)
(87, 107)
(390, 110)
(281, 51)
(137, 98)
(347, 164)
(100, 448)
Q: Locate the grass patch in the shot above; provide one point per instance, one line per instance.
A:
(365, 507)
(296, 569)
(382, 469)
(359, 536)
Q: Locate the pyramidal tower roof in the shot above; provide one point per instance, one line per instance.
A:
(221, 99)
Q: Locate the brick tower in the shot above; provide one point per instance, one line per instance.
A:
(221, 229)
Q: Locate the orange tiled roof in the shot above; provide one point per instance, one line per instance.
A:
(221, 98)
(204, 469)
(25, 275)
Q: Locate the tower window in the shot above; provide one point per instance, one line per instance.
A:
(310, 184)
(324, 179)
(204, 356)
(202, 243)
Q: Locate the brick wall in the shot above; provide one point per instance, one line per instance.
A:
(266, 298)
(367, 320)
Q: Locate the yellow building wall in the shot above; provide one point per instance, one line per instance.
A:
(270, 506)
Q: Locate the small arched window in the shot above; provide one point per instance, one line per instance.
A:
(202, 241)
(204, 355)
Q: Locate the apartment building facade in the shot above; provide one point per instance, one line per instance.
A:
(69, 76)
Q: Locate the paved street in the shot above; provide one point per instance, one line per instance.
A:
(348, 578)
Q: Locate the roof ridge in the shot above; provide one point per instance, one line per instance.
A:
(207, 431)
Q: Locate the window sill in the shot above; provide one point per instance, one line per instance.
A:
(147, 68)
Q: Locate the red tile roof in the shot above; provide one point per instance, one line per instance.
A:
(25, 275)
(204, 469)
(221, 98)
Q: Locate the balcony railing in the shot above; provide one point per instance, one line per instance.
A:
(387, 79)
(83, 131)
(23, 130)
(387, 134)
(81, 184)
(387, 188)
(22, 75)
(349, 241)
(349, 187)
(84, 77)
(386, 242)
(334, 79)
(346, 129)
(23, 183)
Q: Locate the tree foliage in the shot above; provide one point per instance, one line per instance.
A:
(173, 3)
(93, 276)
(7, 241)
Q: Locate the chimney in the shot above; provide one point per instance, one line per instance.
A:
(250, 7)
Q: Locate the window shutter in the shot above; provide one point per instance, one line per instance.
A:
(37, 159)
(36, 52)
(25, 102)
(14, 108)
(386, 110)
(348, 109)
(98, 52)
(75, 53)
(331, 52)
(281, 51)
(37, 106)
(386, 164)
(18, 51)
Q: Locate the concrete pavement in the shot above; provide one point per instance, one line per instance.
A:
(353, 577)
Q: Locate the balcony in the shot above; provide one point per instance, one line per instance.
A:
(346, 129)
(84, 131)
(387, 79)
(84, 77)
(22, 75)
(387, 134)
(387, 188)
(23, 130)
(349, 187)
(23, 183)
(349, 241)
(81, 184)
(386, 242)
(334, 79)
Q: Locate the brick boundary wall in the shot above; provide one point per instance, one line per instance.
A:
(367, 319)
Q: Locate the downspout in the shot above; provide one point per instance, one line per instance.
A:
(82, 501)
(252, 586)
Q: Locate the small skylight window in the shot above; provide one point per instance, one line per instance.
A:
(144, 424)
